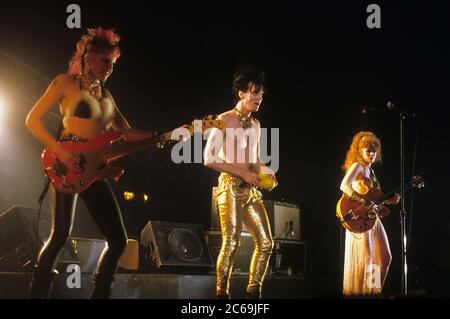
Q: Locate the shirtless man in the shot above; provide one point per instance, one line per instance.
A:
(236, 156)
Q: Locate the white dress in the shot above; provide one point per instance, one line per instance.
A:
(367, 260)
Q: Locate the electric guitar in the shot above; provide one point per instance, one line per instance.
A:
(95, 155)
(359, 218)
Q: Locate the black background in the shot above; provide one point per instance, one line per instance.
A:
(323, 66)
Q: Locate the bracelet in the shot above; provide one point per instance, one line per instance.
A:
(357, 197)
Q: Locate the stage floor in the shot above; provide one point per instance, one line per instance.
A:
(174, 286)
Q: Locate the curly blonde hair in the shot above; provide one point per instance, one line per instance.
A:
(362, 140)
(96, 40)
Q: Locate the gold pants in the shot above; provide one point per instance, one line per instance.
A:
(239, 203)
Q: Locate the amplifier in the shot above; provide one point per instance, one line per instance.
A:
(243, 255)
(289, 257)
(284, 218)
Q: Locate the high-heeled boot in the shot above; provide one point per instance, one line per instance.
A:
(253, 294)
(41, 284)
(223, 296)
(102, 286)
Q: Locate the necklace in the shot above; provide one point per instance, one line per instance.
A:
(92, 87)
(245, 121)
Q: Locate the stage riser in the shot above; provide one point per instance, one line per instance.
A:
(167, 286)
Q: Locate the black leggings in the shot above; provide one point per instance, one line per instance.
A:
(102, 204)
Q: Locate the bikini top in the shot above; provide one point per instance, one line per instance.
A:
(84, 105)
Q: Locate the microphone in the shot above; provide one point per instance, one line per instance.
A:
(392, 107)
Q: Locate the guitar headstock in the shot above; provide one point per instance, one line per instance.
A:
(198, 126)
(208, 122)
(417, 181)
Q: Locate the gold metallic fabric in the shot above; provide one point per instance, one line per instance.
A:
(240, 203)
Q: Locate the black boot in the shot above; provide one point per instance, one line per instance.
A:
(222, 296)
(254, 294)
(101, 287)
(41, 284)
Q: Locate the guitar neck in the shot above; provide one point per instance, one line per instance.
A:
(390, 194)
(117, 151)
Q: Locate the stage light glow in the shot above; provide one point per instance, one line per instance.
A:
(128, 195)
(2, 110)
(145, 197)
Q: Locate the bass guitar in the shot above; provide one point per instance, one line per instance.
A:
(95, 155)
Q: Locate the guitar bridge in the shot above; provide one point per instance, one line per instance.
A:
(350, 216)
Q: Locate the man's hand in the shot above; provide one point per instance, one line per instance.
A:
(250, 178)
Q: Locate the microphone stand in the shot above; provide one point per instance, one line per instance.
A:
(404, 244)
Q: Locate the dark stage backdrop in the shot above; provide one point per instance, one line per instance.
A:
(323, 67)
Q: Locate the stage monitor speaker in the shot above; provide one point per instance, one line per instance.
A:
(18, 240)
(243, 255)
(284, 219)
(176, 247)
(88, 251)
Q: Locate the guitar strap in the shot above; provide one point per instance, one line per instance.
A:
(40, 200)
(374, 179)
(47, 180)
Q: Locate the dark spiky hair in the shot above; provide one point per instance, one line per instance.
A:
(245, 75)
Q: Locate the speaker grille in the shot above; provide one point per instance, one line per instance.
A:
(185, 245)
(176, 247)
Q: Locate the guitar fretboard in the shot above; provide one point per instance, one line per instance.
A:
(387, 196)
(130, 147)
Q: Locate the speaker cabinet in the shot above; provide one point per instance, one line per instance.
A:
(289, 257)
(176, 247)
(284, 220)
(18, 240)
(88, 251)
(243, 255)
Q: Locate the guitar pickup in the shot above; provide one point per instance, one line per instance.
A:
(60, 169)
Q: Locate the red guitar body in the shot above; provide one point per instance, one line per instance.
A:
(359, 218)
(94, 156)
(91, 161)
